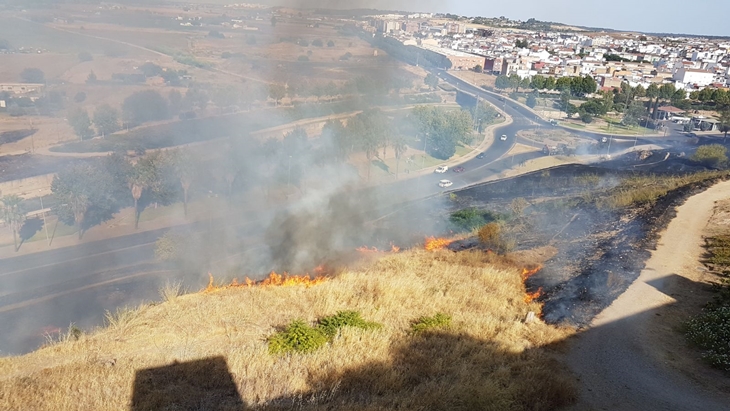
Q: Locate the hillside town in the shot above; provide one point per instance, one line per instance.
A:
(689, 63)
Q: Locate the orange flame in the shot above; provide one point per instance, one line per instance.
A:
(273, 279)
(529, 273)
(433, 243)
(530, 297)
(394, 248)
(366, 250)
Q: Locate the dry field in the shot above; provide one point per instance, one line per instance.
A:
(487, 358)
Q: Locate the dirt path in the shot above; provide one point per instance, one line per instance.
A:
(622, 361)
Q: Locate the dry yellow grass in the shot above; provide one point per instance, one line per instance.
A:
(488, 359)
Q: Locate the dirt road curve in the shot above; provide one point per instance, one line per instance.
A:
(615, 359)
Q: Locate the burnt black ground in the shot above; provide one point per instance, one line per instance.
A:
(600, 251)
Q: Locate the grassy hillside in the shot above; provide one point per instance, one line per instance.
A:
(209, 350)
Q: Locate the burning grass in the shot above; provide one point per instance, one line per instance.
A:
(487, 357)
(274, 279)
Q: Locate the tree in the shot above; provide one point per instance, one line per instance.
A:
(550, 83)
(335, 136)
(531, 100)
(317, 43)
(196, 97)
(144, 106)
(586, 118)
(144, 176)
(570, 109)
(398, 142)
(14, 215)
(537, 82)
(32, 75)
(277, 92)
(724, 122)
(711, 155)
(442, 129)
(150, 69)
(478, 68)
(273, 21)
(563, 84)
(502, 82)
(633, 113)
(80, 97)
(91, 78)
(431, 80)
(106, 119)
(330, 43)
(184, 166)
(79, 120)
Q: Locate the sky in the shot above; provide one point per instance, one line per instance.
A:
(702, 17)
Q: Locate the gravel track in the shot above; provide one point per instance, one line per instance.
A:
(615, 358)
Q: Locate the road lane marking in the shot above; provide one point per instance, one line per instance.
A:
(33, 301)
(75, 259)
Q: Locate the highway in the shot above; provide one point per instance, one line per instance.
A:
(44, 292)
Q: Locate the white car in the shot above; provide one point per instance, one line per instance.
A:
(445, 183)
(504, 137)
(441, 169)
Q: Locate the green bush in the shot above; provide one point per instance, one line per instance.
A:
(300, 337)
(711, 332)
(467, 219)
(439, 320)
(711, 155)
(330, 325)
(297, 337)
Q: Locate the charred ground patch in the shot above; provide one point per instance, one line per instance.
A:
(602, 221)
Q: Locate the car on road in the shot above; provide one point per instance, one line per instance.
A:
(441, 169)
(445, 183)
(604, 140)
(459, 169)
(481, 155)
(504, 137)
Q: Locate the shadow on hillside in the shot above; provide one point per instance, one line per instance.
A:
(204, 384)
(439, 371)
(442, 370)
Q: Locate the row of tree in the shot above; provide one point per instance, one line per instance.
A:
(577, 86)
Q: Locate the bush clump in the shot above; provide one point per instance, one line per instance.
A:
(468, 219)
(438, 320)
(711, 332)
(301, 337)
(711, 155)
(491, 237)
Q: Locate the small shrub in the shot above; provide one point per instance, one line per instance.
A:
(467, 219)
(302, 58)
(331, 325)
(711, 155)
(297, 337)
(171, 290)
(490, 235)
(300, 337)
(711, 332)
(439, 320)
(586, 118)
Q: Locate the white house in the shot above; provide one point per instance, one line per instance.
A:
(694, 76)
